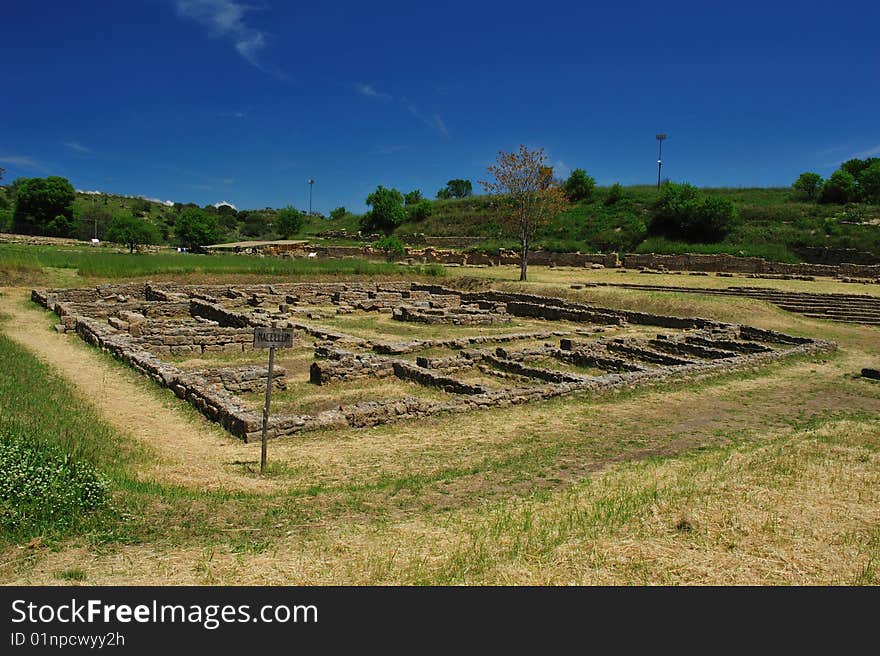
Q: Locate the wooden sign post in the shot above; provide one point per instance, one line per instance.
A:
(270, 338)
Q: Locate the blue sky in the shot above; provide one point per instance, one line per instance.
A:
(244, 101)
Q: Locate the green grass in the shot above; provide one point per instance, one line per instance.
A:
(99, 264)
(58, 459)
(772, 224)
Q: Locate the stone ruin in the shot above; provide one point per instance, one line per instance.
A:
(568, 347)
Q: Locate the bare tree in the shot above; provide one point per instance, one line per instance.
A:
(524, 183)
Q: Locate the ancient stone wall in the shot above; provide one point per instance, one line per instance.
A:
(124, 328)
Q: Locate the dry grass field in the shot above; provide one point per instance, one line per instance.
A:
(766, 476)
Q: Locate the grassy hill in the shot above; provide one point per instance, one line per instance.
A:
(772, 223)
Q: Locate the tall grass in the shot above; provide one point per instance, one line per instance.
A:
(122, 265)
(56, 456)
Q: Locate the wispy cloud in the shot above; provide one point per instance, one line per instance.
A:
(232, 114)
(390, 150)
(77, 146)
(227, 19)
(370, 91)
(433, 121)
(23, 162)
(870, 152)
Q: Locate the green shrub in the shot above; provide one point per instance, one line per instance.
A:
(41, 487)
(392, 247)
(684, 212)
(579, 186)
(288, 222)
(615, 194)
(839, 188)
(808, 185)
(387, 212)
(869, 182)
(420, 211)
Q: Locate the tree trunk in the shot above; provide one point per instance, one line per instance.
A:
(524, 257)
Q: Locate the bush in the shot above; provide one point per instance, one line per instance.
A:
(869, 183)
(421, 210)
(338, 214)
(41, 486)
(684, 212)
(60, 226)
(412, 197)
(579, 185)
(808, 185)
(615, 194)
(392, 247)
(387, 212)
(457, 188)
(288, 222)
(840, 188)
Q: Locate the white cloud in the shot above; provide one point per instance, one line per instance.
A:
(871, 152)
(78, 147)
(370, 91)
(561, 169)
(226, 203)
(22, 161)
(226, 19)
(434, 121)
(390, 150)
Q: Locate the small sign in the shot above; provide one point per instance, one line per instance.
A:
(273, 337)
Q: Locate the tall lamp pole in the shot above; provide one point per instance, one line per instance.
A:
(660, 138)
(311, 182)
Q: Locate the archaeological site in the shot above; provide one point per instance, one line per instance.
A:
(373, 353)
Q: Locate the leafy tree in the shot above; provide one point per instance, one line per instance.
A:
(226, 210)
(615, 194)
(387, 212)
(579, 186)
(2, 171)
(855, 165)
(456, 188)
(288, 222)
(338, 214)
(412, 197)
(61, 226)
(421, 210)
(39, 201)
(808, 184)
(524, 183)
(195, 229)
(684, 212)
(254, 226)
(839, 188)
(132, 232)
(869, 182)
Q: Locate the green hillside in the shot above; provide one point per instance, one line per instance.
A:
(771, 222)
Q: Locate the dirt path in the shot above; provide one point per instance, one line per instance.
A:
(191, 452)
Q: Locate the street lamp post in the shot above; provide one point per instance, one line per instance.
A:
(311, 182)
(660, 138)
